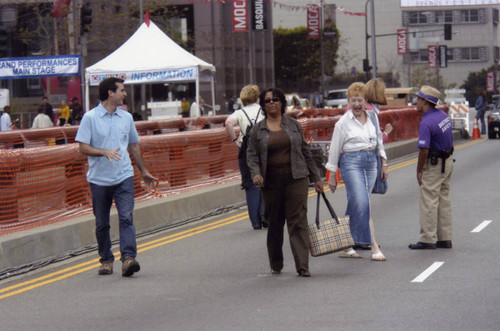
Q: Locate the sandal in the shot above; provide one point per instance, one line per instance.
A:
(350, 254)
(379, 257)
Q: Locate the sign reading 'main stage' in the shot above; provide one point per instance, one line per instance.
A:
(442, 3)
(44, 66)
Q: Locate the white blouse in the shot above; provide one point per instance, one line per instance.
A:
(350, 135)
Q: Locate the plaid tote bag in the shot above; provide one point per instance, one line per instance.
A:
(329, 236)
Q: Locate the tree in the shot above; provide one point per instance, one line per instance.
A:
(423, 75)
(476, 79)
(297, 59)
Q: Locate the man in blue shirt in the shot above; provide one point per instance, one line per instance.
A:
(434, 170)
(106, 135)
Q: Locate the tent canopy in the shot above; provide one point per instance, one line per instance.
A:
(150, 56)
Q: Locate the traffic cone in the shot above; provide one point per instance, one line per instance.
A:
(339, 178)
(475, 130)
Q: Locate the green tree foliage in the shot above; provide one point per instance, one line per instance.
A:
(475, 80)
(297, 59)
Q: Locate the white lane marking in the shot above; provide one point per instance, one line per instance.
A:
(423, 276)
(481, 226)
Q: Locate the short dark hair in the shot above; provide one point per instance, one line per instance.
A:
(277, 92)
(109, 84)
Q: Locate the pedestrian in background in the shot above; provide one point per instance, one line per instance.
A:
(76, 111)
(354, 149)
(105, 134)
(281, 164)
(197, 110)
(434, 169)
(5, 122)
(375, 97)
(42, 120)
(47, 109)
(63, 113)
(185, 105)
(480, 107)
(246, 118)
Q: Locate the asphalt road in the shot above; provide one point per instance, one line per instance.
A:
(214, 275)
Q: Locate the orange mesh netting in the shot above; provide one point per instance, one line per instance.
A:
(45, 182)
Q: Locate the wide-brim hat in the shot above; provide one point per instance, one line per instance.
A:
(429, 93)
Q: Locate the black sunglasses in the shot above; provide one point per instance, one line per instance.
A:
(273, 100)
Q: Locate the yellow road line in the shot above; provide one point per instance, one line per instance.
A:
(94, 263)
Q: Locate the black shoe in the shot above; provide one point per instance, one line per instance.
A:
(257, 227)
(421, 245)
(304, 273)
(444, 244)
(275, 272)
(363, 247)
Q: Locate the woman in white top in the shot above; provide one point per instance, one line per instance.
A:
(353, 149)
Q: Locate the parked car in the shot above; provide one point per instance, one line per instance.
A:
(399, 96)
(494, 118)
(336, 98)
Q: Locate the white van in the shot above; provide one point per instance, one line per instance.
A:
(336, 98)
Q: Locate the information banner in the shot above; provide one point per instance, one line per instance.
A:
(43, 66)
(313, 21)
(240, 16)
(148, 76)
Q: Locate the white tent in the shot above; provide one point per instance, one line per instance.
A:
(149, 56)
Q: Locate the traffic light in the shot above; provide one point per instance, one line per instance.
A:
(4, 38)
(366, 65)
(85, 18)
(447, 32)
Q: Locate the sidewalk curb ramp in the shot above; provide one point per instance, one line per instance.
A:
(26, 247)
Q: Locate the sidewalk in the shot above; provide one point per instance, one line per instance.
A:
(52, 240)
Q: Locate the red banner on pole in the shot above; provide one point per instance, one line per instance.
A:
(432, 56)
(61, 8)
(240, 16)
(313, 21)
(490, 81)
(402, 41)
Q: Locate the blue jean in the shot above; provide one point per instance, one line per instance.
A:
(102, 199)
(359, 172)
(254, 201)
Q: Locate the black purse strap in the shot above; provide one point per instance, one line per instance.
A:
(328, 205)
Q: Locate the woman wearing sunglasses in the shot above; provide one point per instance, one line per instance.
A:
(281, 164)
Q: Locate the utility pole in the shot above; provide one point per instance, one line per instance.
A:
(374, 47)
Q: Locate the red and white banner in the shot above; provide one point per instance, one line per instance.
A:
(240, 16)
(490, 81)
(402, 41)
(313, 21)
(432, 56)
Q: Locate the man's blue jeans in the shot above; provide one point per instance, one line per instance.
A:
(359, 171)
(102, 199)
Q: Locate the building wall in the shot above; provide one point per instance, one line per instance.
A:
(388, 18)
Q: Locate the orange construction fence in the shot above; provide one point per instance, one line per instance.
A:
(45, 182)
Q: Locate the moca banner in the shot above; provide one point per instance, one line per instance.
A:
(313, 21)
(147, 76)
(490, 81)
(432, 56)
(240, 16)
(43, 66)
(402, 41)
(442, 3)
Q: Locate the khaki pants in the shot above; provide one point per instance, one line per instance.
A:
(435, 203)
